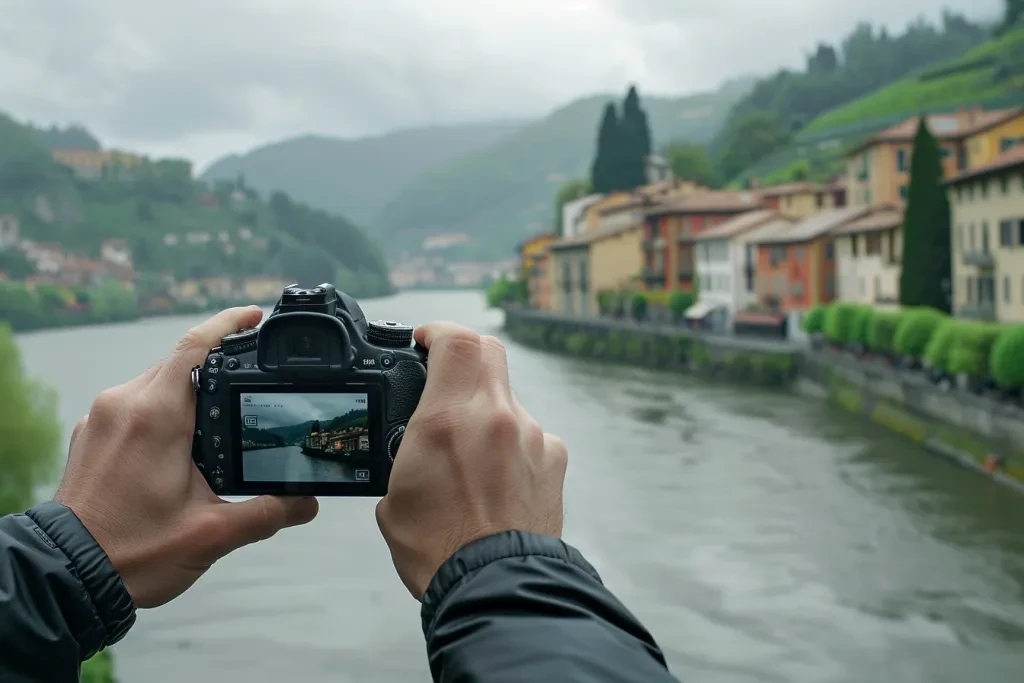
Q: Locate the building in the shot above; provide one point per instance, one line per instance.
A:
(727, 265)
(801, 199)
(796, 268)
(48, 259)
(574, 214)
(92, 164)
(987, 206)
(606, 260)
(989, 142)
(869, 256)
(671, 227)
(878, 170)
(9, 231)
(657, 169)
(263, 288)
(117, 252)
(534, 264)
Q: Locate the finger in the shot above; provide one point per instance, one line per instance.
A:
(77, 431)
(257, 519)
(454, 359)
(195, 345)
(494, 367)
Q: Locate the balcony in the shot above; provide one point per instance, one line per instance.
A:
(981, 259)
(979, 310)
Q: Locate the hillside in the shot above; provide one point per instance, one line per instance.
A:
(502, 193)
(176, 225)
(354, 177)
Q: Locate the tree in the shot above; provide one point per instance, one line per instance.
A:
(574, 189)
(1012, 14)
(924, 280)
(751, 139)
(603, 171)
(636, 137)
(691, 162)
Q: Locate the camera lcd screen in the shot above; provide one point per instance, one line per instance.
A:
(305, 438)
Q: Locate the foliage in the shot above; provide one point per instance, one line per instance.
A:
(99, 669)
(49, 306)
(606, 300)
(747, 140)
(1007, 359)
(937, 352)
(861, 325)
(814, 321)
(840, 324)
(72, 137)
(569, 191)
(926, 228)
(678, 303)
(692, 162)
(972, 348)
(915, 331)
(506, 291)
(623, 144)
(638, 306)
(882, 331)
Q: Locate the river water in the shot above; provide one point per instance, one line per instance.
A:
(760, 537)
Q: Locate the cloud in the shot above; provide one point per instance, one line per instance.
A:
(200, 79)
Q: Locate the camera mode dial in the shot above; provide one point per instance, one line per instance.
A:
(389, 334)
(394, 441)
(239, 342)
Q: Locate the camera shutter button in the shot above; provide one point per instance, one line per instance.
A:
(387, 361)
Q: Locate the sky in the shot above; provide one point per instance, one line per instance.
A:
(283, 410)
(200, 79)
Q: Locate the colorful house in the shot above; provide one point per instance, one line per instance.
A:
(869, 256)
(801, 199)
(878, 170)
(534, 263)
(796, 268)
(606, 260)
(987, 207)
(670, 229)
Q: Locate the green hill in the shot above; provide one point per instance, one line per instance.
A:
(503, 192)
(354, 177)
(177, 225)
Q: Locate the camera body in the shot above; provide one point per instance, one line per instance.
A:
(313, 402)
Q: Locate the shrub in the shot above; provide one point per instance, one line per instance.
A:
(882, 330)
(839, 322)
(638, 306)
(814, 321)
(971, 349)
(1007, 358)
(915, 330)
(678, 303)
(937, 353)
(606, 302)
(861, 324)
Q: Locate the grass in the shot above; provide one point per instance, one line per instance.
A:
(921, 92)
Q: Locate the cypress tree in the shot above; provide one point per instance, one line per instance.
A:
(636, 133)
(603, 172)
(924, 279)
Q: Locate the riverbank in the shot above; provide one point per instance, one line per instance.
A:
(973, 431)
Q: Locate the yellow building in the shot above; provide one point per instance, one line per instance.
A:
(593, 262)
(878, 170)
(91, 164)
(985, 145)
(263, 289)
(534, 257)
(801, 199)
(988, 239)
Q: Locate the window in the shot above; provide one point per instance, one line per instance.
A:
(819, 200)
(854, 240)
(970, 192)
(583, 276)
(1007, 143)
(873, 244)
(566, 276)
(904, 191)
(1006, 233)
(655, 228)
(986, 290)
(830, 251)
(969, 289)
(970, 238)
(1006, 289)
(830, 285)
(686, 228)
(1020, 232)
(1004, 184)
(901, 160)
(796, 289)
(984, 237)
(705, 252)
(983, 188)
(799, 254)
(892, 245)
(777, 255)
(945, 152)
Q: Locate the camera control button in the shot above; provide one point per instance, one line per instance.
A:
(216, 442)
(394, 441)
(215, 413)
(210, 386)
(218, 483)
(387, 361)
(213, 361)
(232, 364)
(217, 472)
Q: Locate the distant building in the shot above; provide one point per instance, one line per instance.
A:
(116, 251)
(574, 214)
(9, 231)
(93, 164)
(869, 255)
(47, 258)
(657, 169)
(263, 288)
(444, 241)
(801, 199)
(605, 259)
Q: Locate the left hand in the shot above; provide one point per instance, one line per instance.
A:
(131, 480)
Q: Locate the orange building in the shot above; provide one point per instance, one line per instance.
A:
(796, 267)
(535, 264)
(801, 199)
(671, 227)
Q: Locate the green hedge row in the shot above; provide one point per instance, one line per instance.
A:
(978, 349)
(636, 304)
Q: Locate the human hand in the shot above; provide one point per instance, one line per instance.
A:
(472, 462)
(131, 480)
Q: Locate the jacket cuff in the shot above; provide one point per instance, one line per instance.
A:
(480, 553)
(111, 605)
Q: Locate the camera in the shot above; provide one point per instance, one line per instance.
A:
(313, 402)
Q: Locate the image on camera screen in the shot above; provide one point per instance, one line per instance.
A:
(319, 438)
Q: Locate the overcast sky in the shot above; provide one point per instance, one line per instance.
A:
(201, 78)
(284, 410)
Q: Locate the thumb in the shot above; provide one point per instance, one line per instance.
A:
(259, 518)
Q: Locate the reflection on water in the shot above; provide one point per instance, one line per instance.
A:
(760, 537)
(289, 463)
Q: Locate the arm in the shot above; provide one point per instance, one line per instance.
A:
(518, 607)
(61, 601)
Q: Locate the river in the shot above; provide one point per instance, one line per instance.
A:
(760, 537)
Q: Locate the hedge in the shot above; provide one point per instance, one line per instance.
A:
(882, 330)
(814, 321)
(861, 324)
(936, 354)
(678, 302)
(915, 330)
(972, 348)
(638, 306)
(1007, 359)
(840, 321)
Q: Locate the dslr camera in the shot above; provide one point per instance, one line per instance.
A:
(313, 402)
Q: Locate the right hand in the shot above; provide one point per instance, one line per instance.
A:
(472, 462)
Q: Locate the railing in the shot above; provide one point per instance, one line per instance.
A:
(979, 310)
(981, 259)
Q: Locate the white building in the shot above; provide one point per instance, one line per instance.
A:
(116, 251)
(574, 215)
(726, 261)
(9, 230)
(657, 168)
(869, 253)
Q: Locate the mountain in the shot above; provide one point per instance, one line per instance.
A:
(354, 177)
(501, 193)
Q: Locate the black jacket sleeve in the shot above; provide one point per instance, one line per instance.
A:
(61, 601)
(517, 607)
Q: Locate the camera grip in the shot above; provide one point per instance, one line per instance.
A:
(406, 381)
